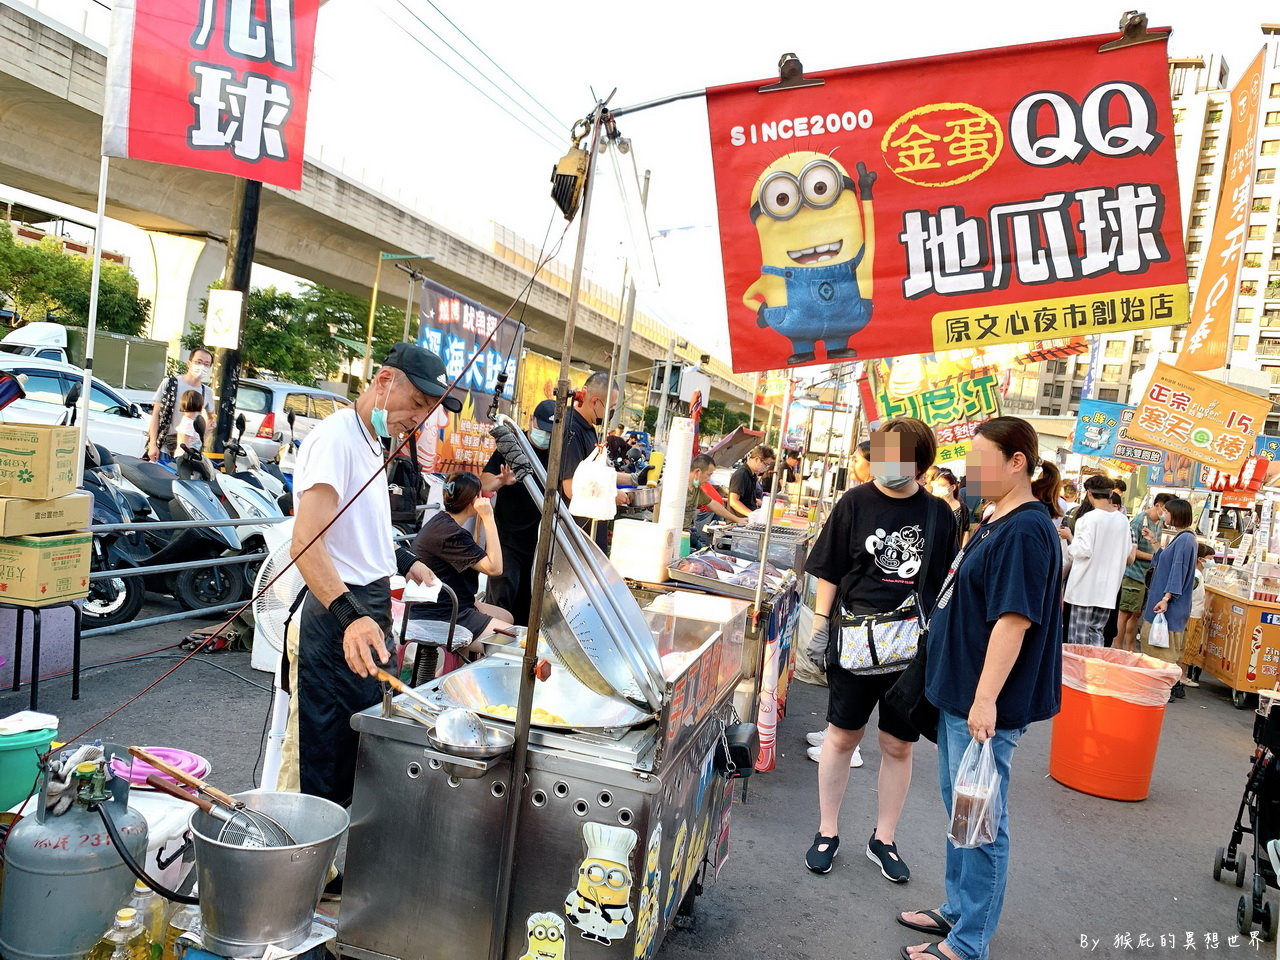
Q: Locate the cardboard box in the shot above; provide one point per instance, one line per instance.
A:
(19, 518)
(47, 568)
(37, 462)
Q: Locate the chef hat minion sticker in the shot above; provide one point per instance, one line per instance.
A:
(600, 906)
(817, 246)
(546, 937)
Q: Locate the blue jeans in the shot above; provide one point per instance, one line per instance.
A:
(975, 878)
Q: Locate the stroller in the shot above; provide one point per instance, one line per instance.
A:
(1259, 817)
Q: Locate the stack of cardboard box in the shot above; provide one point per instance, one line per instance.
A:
(42, 560)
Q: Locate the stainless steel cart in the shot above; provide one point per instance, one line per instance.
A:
(626, 807)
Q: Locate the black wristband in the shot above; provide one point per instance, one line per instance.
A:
(405, 558)
(346, 609)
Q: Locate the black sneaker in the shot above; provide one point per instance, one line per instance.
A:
(1179, 692)
(818, 859)
(892, 866)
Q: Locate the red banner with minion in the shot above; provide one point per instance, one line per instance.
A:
(950, 203)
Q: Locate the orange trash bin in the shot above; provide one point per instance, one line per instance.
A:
(1105, 739)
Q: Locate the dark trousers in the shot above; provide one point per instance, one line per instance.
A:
(329, 693)
(513, 591)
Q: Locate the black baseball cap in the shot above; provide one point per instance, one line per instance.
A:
(425, 371)
(544, 415)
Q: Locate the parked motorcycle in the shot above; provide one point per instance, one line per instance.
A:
(112, 600)
(267, 477)
(177, 498)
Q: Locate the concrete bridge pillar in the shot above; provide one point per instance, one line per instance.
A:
(176, 277)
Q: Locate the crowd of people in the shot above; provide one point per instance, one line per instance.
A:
(944, 621)
(942, 605)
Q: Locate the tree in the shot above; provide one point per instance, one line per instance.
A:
(300, 337)
(43, 281)
(120, 309)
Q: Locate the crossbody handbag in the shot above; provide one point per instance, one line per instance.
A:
(886, 642)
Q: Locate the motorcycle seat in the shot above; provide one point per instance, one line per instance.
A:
(151, 478)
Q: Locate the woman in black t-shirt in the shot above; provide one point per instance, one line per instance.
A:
(457, 559)
(871, 556)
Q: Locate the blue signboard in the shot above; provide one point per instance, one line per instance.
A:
(1100, 432)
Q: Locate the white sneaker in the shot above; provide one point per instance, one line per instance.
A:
(816, 738)
(815, 754)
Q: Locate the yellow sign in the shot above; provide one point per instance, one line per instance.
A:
(1057, 317)
(1206, 344)
(538, 376)
(1187, 413)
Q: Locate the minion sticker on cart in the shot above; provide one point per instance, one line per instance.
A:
(817, 246)
(600, 906)
(676, 870)
(545, 932)
(650, 895)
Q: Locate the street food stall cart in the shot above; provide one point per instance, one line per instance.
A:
(626, 797)
(1242, 611)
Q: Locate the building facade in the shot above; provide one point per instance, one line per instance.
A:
(1200, 88)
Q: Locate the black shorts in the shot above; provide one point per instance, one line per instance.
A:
(852, 697)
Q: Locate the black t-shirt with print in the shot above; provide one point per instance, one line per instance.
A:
(746, 485)
(872, 547)
(452, 554)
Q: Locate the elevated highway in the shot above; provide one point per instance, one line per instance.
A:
(329, 232)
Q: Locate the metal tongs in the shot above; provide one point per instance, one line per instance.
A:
(418, 708)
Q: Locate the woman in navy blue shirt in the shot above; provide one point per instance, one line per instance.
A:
(993, 665)
(1173, 572)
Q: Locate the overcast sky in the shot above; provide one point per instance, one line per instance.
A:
(388, 112)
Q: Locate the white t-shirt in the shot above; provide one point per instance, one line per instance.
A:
(341, 453)
(1099, 553)
(187, 433)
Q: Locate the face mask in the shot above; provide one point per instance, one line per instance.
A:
(540, 438)
(891, 480)
(204, 372)
(378, 417)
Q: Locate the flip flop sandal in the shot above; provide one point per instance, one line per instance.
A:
(941, 930)
(930, 951)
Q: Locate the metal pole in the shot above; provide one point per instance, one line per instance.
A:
(408, 307)
(658, 428)
(241, 246)
(624, 357)
(95, 284)
(368, 334)
(542, 557)
(611, 408)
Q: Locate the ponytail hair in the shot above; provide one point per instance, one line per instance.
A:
(1014, 435)
(1046, 487)
(460, 491)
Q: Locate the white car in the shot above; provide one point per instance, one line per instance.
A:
(114, 422)
(266, 405)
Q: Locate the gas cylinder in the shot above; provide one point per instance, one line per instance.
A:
(63, 879)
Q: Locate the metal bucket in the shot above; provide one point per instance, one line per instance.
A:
(252, 898)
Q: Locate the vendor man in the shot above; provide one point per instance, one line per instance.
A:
(745, 492)
(347, 611)
(580, 440)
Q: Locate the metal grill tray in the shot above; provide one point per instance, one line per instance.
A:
(722, 587)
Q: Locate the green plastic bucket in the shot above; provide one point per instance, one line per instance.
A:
(19, 763)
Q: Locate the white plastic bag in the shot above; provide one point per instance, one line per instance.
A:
(595, 488)
(1158, 635)
(976, 801)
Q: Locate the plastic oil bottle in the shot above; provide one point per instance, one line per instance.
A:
(126, 940)
(151, 914)
(185, 917)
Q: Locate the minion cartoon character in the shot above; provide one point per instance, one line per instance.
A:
(546, 937)
(817, 246)
(676, 869)
(600, 906)
(650, 892)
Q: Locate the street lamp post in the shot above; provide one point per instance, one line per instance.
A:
(373, 307)
(414, 278)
